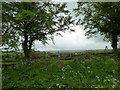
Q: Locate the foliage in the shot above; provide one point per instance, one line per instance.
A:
(26, 22)
(100, 18)
(93, 72)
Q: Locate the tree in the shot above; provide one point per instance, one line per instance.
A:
(25, 22)
(100, 18)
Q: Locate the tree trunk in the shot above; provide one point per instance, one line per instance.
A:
(114, 45)
(25, 47)
(30, 47)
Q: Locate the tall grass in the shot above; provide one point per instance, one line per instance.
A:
(78, 72)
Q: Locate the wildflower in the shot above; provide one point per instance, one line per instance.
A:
(113, 86)
(97, 77)
(88, 67)
(57, 84)
(88, 71)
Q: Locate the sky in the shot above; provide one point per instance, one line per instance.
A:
(74, 40)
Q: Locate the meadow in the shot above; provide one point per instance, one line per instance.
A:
(85, 71)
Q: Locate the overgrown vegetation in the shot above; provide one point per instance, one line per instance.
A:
(59, 72)
(25, 22)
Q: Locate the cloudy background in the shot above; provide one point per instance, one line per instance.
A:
(74, 40)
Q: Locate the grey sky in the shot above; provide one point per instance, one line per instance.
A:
(74, 40)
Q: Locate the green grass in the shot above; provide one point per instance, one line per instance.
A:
(79, 72)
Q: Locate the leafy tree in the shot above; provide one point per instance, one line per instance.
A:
(103, 18)
(25, 22)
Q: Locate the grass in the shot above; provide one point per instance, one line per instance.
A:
(78, 72)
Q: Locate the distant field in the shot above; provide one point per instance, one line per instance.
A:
(80, 51)
(63, 72)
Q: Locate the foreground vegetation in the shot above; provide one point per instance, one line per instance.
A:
(93, 71)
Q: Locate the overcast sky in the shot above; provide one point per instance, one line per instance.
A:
(74, 40)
